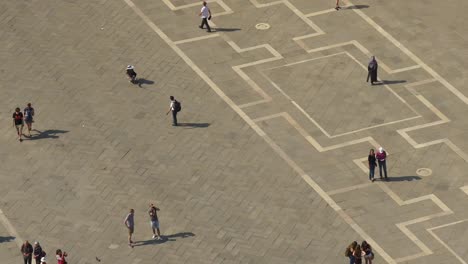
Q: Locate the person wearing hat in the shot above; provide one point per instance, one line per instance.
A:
(43, 260)
(38, 253)
(131, 74)
(382, 161)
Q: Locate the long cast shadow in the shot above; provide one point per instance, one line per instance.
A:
(6, 239)
(50, 133)
(164, 239)
(226, 29)
(194, 125)
(142, 81)
(390, 82)
(358, 7)
(400, 178)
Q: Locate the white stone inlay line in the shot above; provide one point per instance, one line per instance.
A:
(430, 230)
(261, 133)
(10, 229)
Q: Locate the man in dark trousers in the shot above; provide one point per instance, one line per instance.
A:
(205, 14)
(27, 251)
(382, 161)
(174, 107)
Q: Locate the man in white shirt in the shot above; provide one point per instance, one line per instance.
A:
(205, 14)
(173, 108)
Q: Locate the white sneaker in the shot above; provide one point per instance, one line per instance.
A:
(154, 236)
(159, 238)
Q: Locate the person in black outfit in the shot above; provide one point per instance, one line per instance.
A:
(38, 253)
(27, 251)
(18, 123)
(131, 74)
(372, 70)
(372, 164)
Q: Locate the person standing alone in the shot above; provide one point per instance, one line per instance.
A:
(154, 221)
(372, 70)
(174, 107)
(382, 160)
(205, 14)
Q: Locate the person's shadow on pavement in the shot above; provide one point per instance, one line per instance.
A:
(163, 239)
(50, 133)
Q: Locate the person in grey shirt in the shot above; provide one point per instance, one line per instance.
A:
(130, 224)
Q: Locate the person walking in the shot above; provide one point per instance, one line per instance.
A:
(129, 222)
(205, 14)
(382, 160)
(61, 256)
(174, 107)
(131, 74)
(372, 70)
(154, 221)
(27, 251)
(38, 253)
(350, 251)
(372, 164)
(28, 117)
(18, 122)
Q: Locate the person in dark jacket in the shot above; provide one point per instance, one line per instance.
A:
(372, 70)
(131, 74)
(372, 164)
(27, 251)
(38, 253)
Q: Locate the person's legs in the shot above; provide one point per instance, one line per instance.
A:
(153, 228)
(207, 25)
(380, 169)
(203, 22)
(384, 165)
(371, 172)
(30, 259)
(174, 118)
(351, 259)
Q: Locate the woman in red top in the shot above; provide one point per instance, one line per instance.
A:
(61, 256)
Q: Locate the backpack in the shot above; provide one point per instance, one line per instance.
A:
(177, 106)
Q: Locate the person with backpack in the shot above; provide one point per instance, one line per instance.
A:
(349, 252)
(174, 107)
(18, 122)
(38, 252)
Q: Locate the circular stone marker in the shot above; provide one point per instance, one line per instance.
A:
(424, 172)
(113, 246)
(262, 26)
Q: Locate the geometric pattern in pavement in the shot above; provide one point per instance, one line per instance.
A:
(417, 213)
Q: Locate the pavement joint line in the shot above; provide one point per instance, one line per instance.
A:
(410, 54)
(277, 87)
(350, 188)
(10, 229)
(262, 134)
(196, 39)
(404, 225)
(430, 230)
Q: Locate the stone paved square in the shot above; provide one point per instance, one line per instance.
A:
(269, 163)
